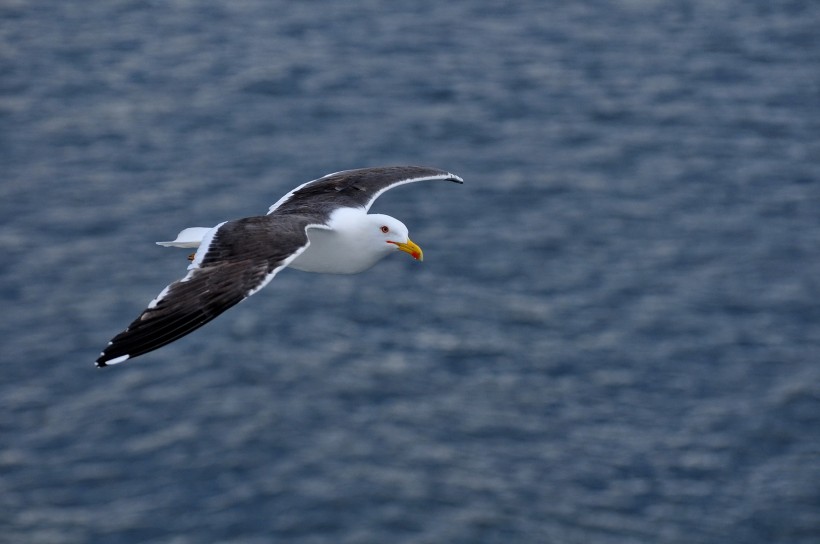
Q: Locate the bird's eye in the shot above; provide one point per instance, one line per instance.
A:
(385, 229)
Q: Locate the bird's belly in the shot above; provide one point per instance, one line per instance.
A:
(329, 254)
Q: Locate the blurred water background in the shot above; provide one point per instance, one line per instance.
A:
(613, 338)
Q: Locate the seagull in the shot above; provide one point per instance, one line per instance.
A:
(321, 226)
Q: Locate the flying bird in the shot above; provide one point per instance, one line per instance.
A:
(321, 226)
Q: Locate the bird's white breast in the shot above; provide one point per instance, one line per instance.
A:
(344, 247)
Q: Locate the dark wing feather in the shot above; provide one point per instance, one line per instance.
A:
(186, 306)
(353, 188)
(240, 259)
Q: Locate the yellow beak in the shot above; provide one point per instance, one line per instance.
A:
(411, 248)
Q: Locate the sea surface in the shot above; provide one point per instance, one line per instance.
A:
(614, 337)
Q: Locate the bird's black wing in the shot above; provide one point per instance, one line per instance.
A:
(239, 258)
(353, 188)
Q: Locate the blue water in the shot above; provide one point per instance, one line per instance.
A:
(613, 338)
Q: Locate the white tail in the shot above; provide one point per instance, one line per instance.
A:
(190, 237)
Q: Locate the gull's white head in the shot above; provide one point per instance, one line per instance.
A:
(391, 234)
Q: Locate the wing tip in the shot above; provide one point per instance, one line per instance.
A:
(104, 361)
(439, 173)
(454, 178)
